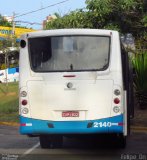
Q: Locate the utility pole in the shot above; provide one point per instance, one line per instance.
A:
(6, 70)
(13, 28)
(6, 52)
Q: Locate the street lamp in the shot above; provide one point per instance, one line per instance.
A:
(128, 42)
(12, 60)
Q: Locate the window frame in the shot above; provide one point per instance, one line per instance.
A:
(85, 70)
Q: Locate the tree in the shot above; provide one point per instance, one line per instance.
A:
(127, 15)
(75, 19)
(122, 15)
(4, 22)
(5, 47)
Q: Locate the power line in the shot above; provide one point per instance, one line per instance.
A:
(40, 9)
(31, 23)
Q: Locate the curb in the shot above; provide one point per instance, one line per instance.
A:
(139, 129)
(133, 128)
(14, 124)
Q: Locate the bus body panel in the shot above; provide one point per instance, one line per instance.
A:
(105, 125)
(92, 93)
(91, 99)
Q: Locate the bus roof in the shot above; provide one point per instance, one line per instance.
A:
(60, 32)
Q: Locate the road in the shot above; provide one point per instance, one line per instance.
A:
(14, 146)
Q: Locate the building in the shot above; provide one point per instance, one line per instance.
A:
(9, 75)
(8, 18)
(6, 32)
(48, 19)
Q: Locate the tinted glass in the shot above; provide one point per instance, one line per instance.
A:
(69, 53)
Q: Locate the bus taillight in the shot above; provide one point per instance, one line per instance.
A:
(116, 101)
(26, 124)
(24, 102)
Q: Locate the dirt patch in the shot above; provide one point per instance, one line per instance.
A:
(11, 94)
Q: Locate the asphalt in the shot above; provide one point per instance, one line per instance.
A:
(138, 123)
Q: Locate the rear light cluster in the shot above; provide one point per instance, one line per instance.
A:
(116, 101)
(23, 94)
(24, 102)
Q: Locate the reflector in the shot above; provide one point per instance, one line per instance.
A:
(24, 102)
(116, 100)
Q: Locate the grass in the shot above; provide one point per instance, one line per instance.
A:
(9, 102)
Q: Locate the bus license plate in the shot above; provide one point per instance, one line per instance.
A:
(70, 114)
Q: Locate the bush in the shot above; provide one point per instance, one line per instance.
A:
(140, 80)
(3, 66)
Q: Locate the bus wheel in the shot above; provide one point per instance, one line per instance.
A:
(56, 141)
(121, 141)
(44, 141)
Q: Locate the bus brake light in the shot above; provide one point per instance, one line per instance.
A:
(116, 101)
(26, 124)
(24, 102)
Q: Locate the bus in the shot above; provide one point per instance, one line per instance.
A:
(73, 82)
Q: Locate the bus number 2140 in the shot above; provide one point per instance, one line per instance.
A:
(101, 124)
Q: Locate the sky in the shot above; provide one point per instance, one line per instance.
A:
(7, 7)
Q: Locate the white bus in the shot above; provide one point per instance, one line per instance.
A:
(73, 82)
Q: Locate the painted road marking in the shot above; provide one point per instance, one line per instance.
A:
(31, 149)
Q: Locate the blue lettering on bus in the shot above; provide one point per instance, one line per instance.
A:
(4, 31)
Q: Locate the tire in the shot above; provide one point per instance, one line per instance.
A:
(121, 141)
(44, 141)
(51, 141)
(56, 141)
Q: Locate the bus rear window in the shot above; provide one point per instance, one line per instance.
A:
(69, 53)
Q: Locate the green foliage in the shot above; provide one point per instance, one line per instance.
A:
(128, 5)
(144, 20)
(140, 81)
(9, 106)
(141, 41)
(4, 47)
(75, 19)
(100, 9)
(140, 65)
(5, 43)
(3, 66)
(112, 26)
(4, 22)
(9, 102)
(126, 16)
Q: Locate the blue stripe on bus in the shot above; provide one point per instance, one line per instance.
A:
(105, 125)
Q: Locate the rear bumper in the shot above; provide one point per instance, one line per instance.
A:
(106, 125)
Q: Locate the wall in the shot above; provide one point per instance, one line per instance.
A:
(12, 75)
